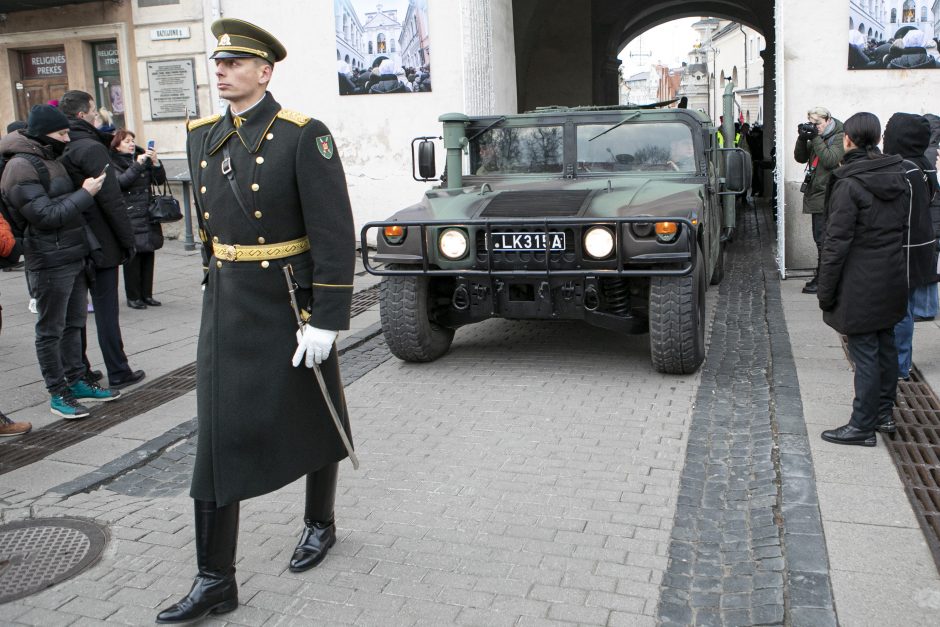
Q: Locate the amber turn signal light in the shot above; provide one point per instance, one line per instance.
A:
(394, 234)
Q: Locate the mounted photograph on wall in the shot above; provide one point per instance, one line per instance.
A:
(382, 47)
(894, 35)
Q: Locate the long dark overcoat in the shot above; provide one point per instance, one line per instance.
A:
(261, 422)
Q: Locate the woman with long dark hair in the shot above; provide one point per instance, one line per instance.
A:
(863, 273)
(136, 170)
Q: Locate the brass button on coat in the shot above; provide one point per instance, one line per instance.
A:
(258, 214)
(203, 163)
(255, 187)
(261, 240)
(206, 215)
(203, 189)
(218, 264)
(265, 264)
(215, 240)
(259, 160)
(270, 136)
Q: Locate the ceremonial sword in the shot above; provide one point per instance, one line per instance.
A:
(291, 287)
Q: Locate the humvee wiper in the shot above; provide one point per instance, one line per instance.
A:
(498, 121)
(620, 123)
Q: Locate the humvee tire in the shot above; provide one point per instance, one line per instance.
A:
(677, 320)
(719, 272)
(409, 332)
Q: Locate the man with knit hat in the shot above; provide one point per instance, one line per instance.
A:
(908, 135)
(276, 226)
(46, 207)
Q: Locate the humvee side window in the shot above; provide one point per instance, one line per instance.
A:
(518, 150)
(663, 147)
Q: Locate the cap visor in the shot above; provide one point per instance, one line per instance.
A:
(226, 54)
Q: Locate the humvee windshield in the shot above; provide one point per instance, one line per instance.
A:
(518, 150)
(665, 147)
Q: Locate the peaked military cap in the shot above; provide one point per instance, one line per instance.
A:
(238, 38)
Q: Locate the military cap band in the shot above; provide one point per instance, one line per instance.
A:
(239, 39)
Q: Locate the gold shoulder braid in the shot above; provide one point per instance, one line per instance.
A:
(210, 119)
(293, 116)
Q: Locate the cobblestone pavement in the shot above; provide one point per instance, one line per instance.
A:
(529, 477)
(747, 548)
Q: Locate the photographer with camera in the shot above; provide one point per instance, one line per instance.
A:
(819, 146)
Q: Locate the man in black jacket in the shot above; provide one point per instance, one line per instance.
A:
(87, 155)
(49, 210)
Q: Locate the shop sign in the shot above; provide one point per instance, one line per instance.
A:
(44, 64)
(106, 57)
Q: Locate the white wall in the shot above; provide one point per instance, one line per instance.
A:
(373, 133)
(814, 68)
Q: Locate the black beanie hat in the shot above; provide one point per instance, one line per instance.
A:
(907, 134)
(15, 125)
(45, 119)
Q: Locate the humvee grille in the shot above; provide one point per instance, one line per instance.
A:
(536, 204)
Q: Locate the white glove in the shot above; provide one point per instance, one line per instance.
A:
(316, 343)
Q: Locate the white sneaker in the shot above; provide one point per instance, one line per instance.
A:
(32, 306)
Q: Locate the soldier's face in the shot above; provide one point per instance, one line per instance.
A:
(242, 79)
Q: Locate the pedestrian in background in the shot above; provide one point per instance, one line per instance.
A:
(50, 212)
(908, 136)
(273, 199)
(88, 153)
(819, 146)
(925, 305)
(863, 273)
(137, 169)
(9, 254)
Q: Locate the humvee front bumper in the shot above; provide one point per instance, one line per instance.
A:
(540, 247)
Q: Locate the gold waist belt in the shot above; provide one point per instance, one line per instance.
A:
(261, 252)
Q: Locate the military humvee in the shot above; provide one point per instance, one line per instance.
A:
(610, 215)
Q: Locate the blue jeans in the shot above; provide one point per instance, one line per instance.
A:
(904, 338)
(924, 301)
(63, 307)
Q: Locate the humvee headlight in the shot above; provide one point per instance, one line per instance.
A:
(394, 235)
(667, 231)
(598, 242)
(453, 244)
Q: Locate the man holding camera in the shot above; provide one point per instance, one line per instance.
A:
(819, 146)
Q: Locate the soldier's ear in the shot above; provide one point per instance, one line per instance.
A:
(266, 71)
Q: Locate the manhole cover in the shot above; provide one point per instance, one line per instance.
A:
(39, 553)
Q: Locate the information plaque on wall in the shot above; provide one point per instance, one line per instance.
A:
(172, 89)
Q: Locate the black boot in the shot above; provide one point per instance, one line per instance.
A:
(319, 528)
(214, 591)
(810, 287)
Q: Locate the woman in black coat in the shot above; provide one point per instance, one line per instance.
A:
(862, 287)
(136, 170)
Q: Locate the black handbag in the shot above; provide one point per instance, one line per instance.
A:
(163, 206)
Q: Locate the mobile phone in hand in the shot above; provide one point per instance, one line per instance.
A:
(151, 144)
(105, 169)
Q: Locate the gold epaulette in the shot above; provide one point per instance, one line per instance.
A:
(293, 116)
(209, 119)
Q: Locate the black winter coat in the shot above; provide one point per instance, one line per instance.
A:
(862, 284)
(912, 59)
(52, 221)
(931, 155)
(388, 84)
(86, 156)
(135, 179)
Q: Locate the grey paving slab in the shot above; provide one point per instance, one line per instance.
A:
(872, 599)
(881, 550)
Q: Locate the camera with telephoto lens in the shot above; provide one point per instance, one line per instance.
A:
(807, 129)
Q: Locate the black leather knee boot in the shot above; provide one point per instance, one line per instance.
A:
(214, 591)
(319, 528)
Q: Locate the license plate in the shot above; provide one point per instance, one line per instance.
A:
(529, 241)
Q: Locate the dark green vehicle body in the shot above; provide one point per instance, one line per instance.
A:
(532, 192)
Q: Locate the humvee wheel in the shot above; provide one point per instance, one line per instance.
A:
(677, 321)
(404, 304)
(719, 272)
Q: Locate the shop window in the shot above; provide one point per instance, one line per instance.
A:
(109, 92)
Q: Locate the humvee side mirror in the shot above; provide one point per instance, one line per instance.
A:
(737, 171)
(427, 169)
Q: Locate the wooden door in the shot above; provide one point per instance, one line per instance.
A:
(37, 91)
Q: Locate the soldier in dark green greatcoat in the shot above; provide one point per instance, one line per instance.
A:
(271, 194)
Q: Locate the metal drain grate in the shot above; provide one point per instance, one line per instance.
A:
(364, 299)
(32, 447)
(37, 554)
(915, 449)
